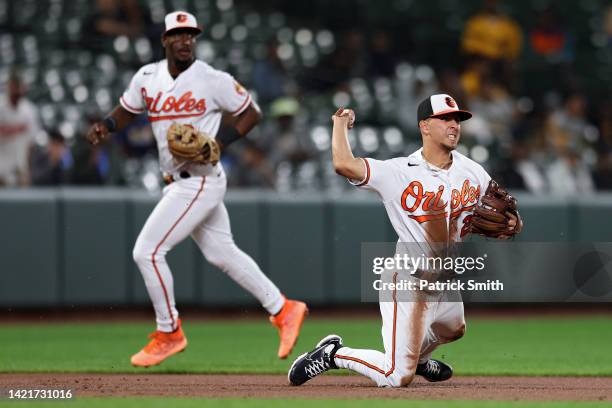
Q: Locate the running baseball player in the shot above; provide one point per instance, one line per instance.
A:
(431, 198)
(184, 99)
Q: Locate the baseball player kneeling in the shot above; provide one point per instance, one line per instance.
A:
(184, 99)
(433, 198)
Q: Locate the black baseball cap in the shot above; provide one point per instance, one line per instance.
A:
(440, 104)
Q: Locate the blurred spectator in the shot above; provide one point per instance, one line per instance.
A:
(91, 166)
(607, 25)
(248, 165)
(471, 78)
(382, 58)
(96, 165)
(569, 127)
(348, 61)
(568, 137)
(491, 34)
(275, 155)
(52, 164)
(412, 88)
(137, 139)
(549, 39)
(603, 171)
(292, 152)
(19, 127)
(110, 19)
(491, 42)
(118, 17)
(568, 175)
(550, 54)
(604, 116)
(286, 141)
(450, 83)
(351, 60)
(270, 79)
(520, 172)
(496, 107)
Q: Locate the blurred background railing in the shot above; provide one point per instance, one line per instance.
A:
(72, 247)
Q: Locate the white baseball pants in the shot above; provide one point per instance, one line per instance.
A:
(194, 206)
(411, 331)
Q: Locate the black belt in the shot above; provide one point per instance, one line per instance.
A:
(168, 178)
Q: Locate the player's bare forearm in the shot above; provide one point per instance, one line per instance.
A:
(345, 163)
(120, 118)
(248, 119)
(236, 128)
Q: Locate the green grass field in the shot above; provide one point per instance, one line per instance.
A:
(522, 346)
(526, 346)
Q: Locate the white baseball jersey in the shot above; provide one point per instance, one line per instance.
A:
(426, 203)
(18, 128)
(193, 206)
(198, 96)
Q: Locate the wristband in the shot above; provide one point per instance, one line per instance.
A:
(228, 135)
(110, 123)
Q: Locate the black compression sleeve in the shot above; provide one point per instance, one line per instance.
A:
(228, 135)
(110, 123)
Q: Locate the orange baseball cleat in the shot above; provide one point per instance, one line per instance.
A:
(289, 322)
(161, 346)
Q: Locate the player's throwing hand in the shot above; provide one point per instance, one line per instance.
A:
(345, 117)
(97, 132)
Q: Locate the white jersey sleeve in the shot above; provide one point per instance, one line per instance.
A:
(132, 99)
(378, 176)
(231, 96)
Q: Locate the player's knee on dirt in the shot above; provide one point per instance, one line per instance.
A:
(403, 373)
(398, 379)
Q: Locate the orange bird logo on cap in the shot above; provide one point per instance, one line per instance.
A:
(450, 102)
(181, 18)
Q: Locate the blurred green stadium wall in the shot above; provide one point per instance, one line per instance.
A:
(74, 247)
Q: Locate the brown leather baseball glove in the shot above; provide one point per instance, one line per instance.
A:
(496, 215)
(186, 143)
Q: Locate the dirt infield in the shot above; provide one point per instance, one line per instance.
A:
(275, 386)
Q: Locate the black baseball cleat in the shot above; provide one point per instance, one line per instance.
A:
(434, 371)
(319, 360)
